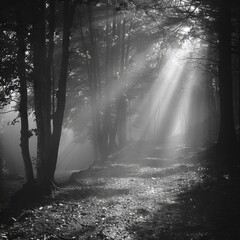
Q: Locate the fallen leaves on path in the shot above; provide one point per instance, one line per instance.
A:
(123, 200)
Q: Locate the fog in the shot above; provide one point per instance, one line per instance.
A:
(175, 104)
(72, 155)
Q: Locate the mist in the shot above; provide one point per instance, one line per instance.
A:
(72, 155)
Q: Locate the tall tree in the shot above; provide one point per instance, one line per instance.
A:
(49, 133)
(94, 83)
(227, 134)
(23, 106)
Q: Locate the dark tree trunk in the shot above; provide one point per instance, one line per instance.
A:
(48, 83)
(39, 57)
(1, 161)
(227, 134)
(52, 153)
(23, 108)
(49, 136)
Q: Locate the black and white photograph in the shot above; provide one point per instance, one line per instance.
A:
(119, 120)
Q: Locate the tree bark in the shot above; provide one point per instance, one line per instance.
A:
(49, 136)
(52, 153)
(23, 108)
(39, 57)
(1, 161)
(48, 84)
(227, 134)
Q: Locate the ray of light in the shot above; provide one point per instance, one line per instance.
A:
(167, 109)
(156, 103)
(129, 77)
(181, 121)
(192, 114)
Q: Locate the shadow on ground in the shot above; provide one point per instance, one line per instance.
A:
(73, 194)
(209, 209)
(189, 197)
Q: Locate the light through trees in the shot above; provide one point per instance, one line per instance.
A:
(137, 70)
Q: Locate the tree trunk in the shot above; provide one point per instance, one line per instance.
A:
(227, 134)
(1, 161)
(121, 105)
(52, 153)
(107, 101)
(95, 123)
(94, 89)
(48, 112)
(23, 109)
(113, 63)
(39, 57)
(49, 137)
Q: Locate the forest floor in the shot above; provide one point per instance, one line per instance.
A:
(143, 192)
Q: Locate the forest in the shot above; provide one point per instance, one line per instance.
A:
(119, 119)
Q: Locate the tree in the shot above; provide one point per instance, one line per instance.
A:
(34, 35)
(23, 106)
(227, 134)
(216, 19)
(1, 159)
(8, 67)
(95, 87)
(109, 37)
(108, 48)
(49, 137)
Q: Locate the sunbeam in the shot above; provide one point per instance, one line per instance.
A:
(156, 103)
(129, 77)
(165, 110)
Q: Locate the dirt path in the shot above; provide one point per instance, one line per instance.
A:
(155, 195)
